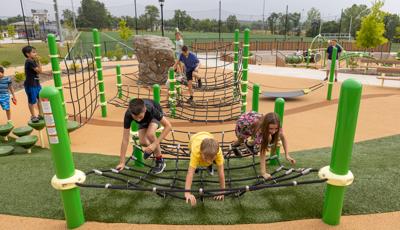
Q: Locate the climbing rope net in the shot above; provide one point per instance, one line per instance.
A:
(81, 86)
(241, 173)
(217, 101)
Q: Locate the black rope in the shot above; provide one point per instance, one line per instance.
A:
(82, 87)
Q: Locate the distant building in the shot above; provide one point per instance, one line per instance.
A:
(40, 16)
(38, 26)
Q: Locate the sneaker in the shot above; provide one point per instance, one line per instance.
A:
(40, 117)
(325, 79)
(210, 170)
(251, 148)
(160, 166)
(34, 119)
(199, 83)
(190, 100)
(236, 152)
(335, 79)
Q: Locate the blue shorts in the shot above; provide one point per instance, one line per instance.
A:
(5, 102)
(33, 94)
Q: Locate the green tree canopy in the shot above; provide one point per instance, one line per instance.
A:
(372, 28)
(124, 32)
(353, 15)
(182, 20)
(232, 23)
(392, 21)
(93, 14)
(152, 14)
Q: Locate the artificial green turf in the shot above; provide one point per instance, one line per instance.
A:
(25, 190)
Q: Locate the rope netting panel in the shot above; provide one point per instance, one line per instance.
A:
(207, 106)
(241, 176)
(81, 88)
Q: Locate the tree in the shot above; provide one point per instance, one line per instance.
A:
(232, 23)
(182, 20)
(330, 27)
(68, 17)
(11, 32)
(272, 20)
(353, 14)
(313, 16)
(124, 32)
(392, 21)
(372, 28)
(152, 14)
(93, 14)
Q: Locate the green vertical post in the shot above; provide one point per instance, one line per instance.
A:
(256, 95)
(346, 122)
(55, 66)
(136, 150)
(119, 81)
(331, 74)
(97, 57)
(61, 154)
(308, 57)
(279, 109)
(244, 82)
(236, 55)
(172, 93)
(156, 93)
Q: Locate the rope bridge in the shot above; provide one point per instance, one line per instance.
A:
(171, 182)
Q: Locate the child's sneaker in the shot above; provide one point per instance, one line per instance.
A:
(34, 119)
(160, 166)
(40, 117)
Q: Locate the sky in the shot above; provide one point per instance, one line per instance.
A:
(243, 9)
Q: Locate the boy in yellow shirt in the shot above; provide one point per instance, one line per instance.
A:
(204, 150)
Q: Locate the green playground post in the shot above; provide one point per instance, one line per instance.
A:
(97, 57)
(236, 64)
(172, 92)
(279, 109)
(55, 67)
(119, 81)
(156, 93)
(244, 81)
(256, 95)
(346, 122)
(308, 57)
(236, 55)
(136, 149)
(331, 74)
(66, 175)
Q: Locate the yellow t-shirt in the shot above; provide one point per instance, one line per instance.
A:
(195, 155)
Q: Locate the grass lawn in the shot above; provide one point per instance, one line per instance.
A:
(13, 53)
(25, 191)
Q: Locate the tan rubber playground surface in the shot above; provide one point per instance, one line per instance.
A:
(309, 123)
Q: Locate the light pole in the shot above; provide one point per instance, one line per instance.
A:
(23, 16)
(219, 22)
(136, 28)
(263, 20)
(162, 16)
(73, 14)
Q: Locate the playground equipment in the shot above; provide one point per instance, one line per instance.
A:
(337, 175)
(220, 99)
(22, 131)
(5, 130)
(39, 126)
(84, 89)
(6, 150)
(27, 142)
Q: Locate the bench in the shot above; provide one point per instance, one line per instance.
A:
(384, 70)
